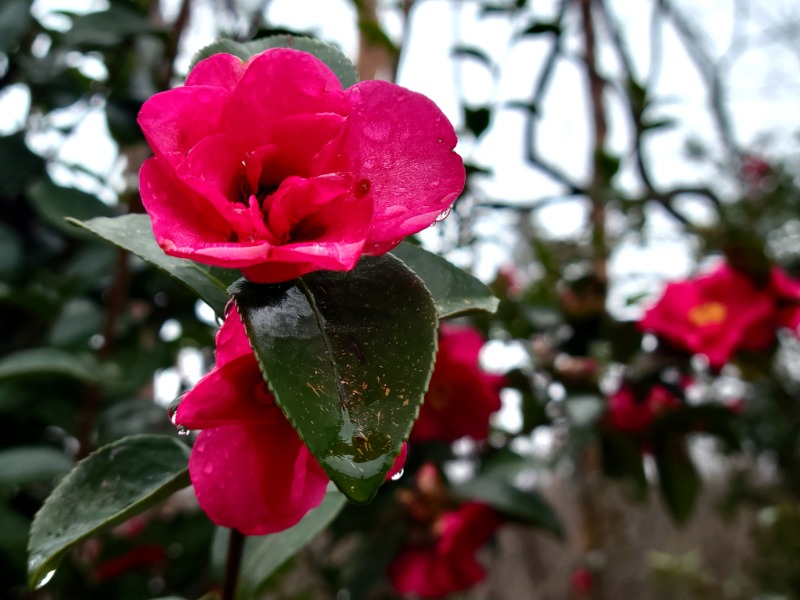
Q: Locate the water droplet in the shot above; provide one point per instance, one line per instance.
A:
(443, 216)
(183, 430)
(208, 468)
(172, 409)
(46, 579)
(398, 475)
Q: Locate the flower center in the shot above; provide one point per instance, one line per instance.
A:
(708, 313)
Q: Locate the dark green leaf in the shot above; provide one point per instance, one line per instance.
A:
(477, 119)
(348, 356)
(495, 486)
(105, 489)
(330, 55)
(50, 361)
(15, 18)
(541, 27)
(455, 291)
(11, 249)
(55, 203)
(107, 27)
(18, 165)
(677, 477)
(29, 464)
(264, 554)
(134, 234)
(622, 459)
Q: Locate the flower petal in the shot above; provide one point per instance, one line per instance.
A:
(175, 120)
(229, 395)
(279, 83)
(221, 70)
(402, 145)
(257, 479)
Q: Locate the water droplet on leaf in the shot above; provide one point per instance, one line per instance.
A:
(46, 579)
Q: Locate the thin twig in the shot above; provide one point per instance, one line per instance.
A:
(233, 564)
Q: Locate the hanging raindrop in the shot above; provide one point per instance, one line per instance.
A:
(398, 475)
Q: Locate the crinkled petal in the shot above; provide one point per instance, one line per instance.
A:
(257, 479)
(181, 218)
(221, 70)
(173, 122)
(300, 138)
(279, 83)
(402, 145)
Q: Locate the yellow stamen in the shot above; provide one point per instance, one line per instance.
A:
(708, 313)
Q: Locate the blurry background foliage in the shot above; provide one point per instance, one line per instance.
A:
(95, 342)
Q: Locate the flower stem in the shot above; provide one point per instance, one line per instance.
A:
(234, 560)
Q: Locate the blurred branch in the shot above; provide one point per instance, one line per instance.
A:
(539, 91)
(709, 71)
(376, 51)
(173, 45)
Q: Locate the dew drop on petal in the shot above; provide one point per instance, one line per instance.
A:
(398, 475)
(444, 215)
(183, 430)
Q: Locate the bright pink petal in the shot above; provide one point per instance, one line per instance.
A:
(401, 145)
(231, 339)
(279, 83)
(221, 70)
(258, 479)
(234, 394)
(180, 217)
(173, 122)
(300, 138)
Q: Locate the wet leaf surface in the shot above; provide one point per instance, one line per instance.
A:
(105, 489)
(348, 357)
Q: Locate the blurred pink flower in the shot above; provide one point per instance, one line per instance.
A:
(714, 314)
(446, 562)
(632, 415)
(270, 167)
(249, 469)
(461, 396)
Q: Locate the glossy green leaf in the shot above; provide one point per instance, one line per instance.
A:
(334, 58)
(50, 361)
(22, 465)
(678, 479)
(264, 554)
(54, 203)
(134, 234)
(495, 485)
(455, 291)
(348, 356)
(105, 489)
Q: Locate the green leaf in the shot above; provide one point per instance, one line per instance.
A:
(107, 27)
(264, 554)
(348, 356)
(134, 234)
(542, 27)
(476, 53)
(15, 18)
(54, 203)
(495, 486)
(455, 291)
(677, 477)
(30, 464)
(50, 361)
(622, 459)
(477, 119)
(334, 58)
(105, 489)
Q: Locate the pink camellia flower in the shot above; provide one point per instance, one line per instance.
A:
(249, 469)
(627, 413)
(269, 166)
(461, 396)
(715, 314)
(445, 562)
